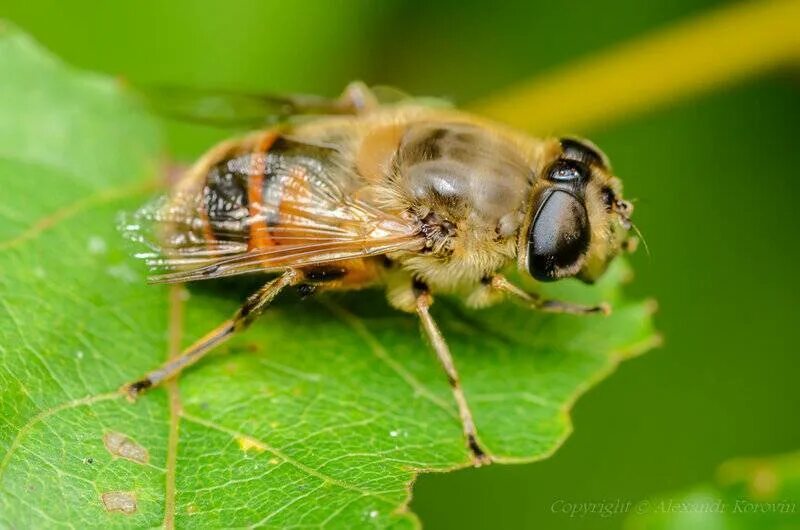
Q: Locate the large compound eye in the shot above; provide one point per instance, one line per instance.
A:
(568, 172)
(558, 238)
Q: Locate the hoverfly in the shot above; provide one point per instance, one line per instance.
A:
(411, 197)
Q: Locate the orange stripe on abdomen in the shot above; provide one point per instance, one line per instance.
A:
(259, 235)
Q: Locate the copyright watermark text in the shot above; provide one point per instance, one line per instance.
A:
(609, 508)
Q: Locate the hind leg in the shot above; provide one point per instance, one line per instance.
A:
(250, 311)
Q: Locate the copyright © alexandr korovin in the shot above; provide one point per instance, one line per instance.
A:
(614, 507)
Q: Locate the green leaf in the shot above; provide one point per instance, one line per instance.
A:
(747, 494)
(321, 414)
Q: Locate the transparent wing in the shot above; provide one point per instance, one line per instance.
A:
(294, 256)
(229, 108)
(224, 108)
(304, 212)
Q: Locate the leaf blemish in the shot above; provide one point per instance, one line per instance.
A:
(122, 446)
(119, 501)
(250, 444)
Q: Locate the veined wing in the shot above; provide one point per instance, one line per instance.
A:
(293, 206)
(227, 108)
(231, 108)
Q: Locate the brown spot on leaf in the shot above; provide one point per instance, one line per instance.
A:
(122, 446)
(119, 501)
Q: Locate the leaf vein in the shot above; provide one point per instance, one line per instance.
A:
(381, 353)
(46, 413)
(173, 395)
(280, 454)
(72, 209)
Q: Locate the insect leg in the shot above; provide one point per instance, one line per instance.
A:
(500, 283)
(250, 310)
(423, 303)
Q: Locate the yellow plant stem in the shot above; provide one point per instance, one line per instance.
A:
(695, 55)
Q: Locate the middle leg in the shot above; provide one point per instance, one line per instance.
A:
(423, 303)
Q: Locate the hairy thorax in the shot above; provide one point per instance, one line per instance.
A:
(467, 187)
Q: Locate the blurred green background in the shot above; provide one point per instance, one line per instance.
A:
(716, 177)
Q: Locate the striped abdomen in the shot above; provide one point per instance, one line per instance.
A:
(275, 195)
(253, 197)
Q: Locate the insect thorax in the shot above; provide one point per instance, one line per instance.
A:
(471, 186)
(463, 174)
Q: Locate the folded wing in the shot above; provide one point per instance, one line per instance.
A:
(294, 207)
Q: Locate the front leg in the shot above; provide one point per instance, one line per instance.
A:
(501, 284)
